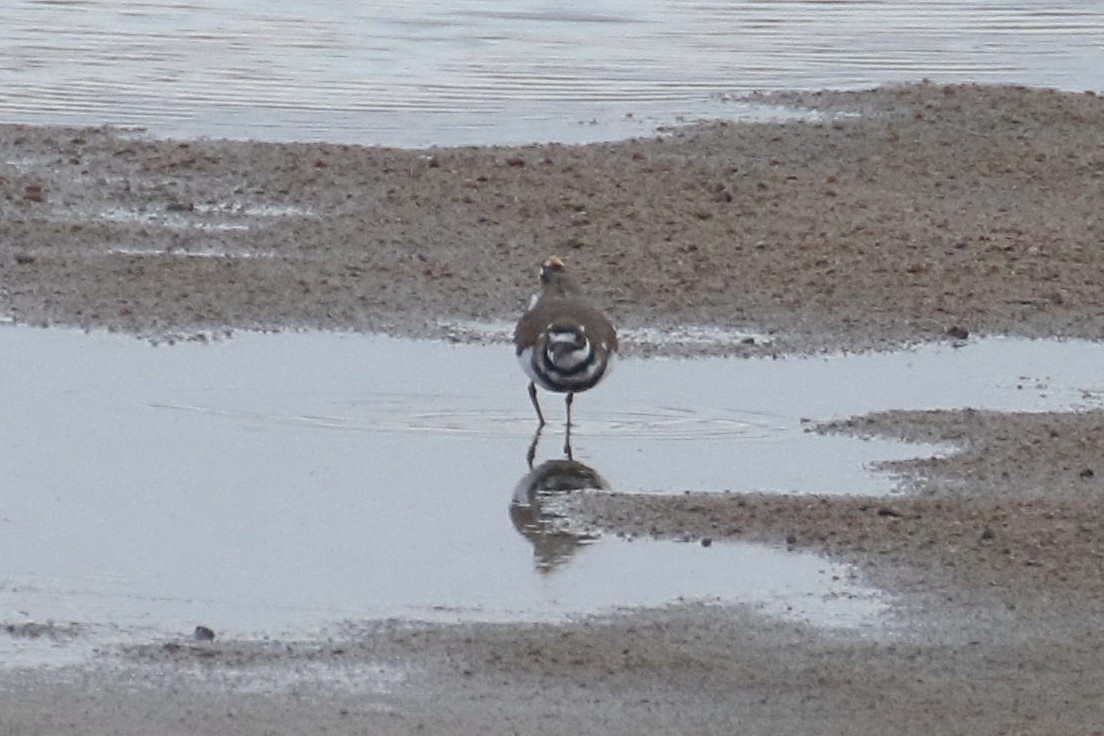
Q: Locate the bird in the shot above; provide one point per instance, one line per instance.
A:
(564, 344)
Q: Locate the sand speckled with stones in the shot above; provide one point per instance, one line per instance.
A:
(934, 209)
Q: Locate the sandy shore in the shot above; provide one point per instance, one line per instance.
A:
(899, 215)
(938, 207)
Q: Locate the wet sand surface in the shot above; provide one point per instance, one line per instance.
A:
(934, 212)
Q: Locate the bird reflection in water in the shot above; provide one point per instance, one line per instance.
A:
(554, 539)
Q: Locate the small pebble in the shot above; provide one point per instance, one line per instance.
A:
(958, 333)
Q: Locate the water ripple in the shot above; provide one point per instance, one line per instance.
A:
(512, 73)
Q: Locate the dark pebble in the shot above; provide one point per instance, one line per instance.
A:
(958, 333)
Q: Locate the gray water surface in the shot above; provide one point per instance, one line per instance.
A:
(280, 484)
(449, 72)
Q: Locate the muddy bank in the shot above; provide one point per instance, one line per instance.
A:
(1008, 513)
(937, 207)
(690, 670)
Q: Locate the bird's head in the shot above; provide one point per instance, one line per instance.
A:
(551, 269)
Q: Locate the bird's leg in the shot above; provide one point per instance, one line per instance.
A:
(536, 404)
(567, 431)
(532, 453)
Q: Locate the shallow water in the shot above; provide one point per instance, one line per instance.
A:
(471, 71)
(278, 484)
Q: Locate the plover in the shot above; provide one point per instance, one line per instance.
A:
(563, 343)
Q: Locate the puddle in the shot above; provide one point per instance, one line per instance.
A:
(220, 216)
(280, 484)
(201, 252)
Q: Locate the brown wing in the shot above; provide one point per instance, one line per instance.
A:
(547, 311)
